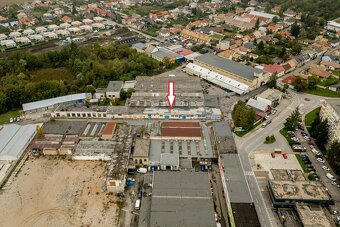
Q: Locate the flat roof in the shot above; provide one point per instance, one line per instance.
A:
(298, 190)
(14, 139)
(181, 129)
(54, 101)
(93, 129)
(311, 216)
(64, 127)
(288, 174)
(109, 128)
(222, 129)
(228, 65)
(142, 147)
(245, 215)
(181, 199)
(224, 138)
(237, 185)
(335, 103)
(114, 86)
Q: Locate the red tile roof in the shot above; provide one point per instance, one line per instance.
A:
(275, 68)
(181, 129)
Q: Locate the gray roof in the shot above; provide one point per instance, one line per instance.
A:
(54, 101)
(165, 53)
(14, 139)
(114, 86)
(222, 129)
(181, 199)
(64, 127)
(237, 186)
(228, 65)
(169, 159)
(141, 46)
(335, 103)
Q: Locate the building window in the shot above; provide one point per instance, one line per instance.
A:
(144, 160)
(73, 114)
(136, 161)
(68, 114)
(140, 161)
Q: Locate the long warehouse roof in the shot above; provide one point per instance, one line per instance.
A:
(53, 101)
(14, 139)
(239, 69)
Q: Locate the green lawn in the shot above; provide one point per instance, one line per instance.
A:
(4, 118)
(329, 81)
(310, 117)
(242, 133)
(337, 73)
(302, 164)
(285, 134)
(324, 92)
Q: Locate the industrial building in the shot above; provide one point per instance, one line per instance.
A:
(94, 150)
(14, 139)
(181, 130)
(223, 138)
(52, 103)
(227, 74)
(93, 130)
(109, 130)
(181, 199)
(237, 192)
(152, 91)
(64, 128)
(181, 152)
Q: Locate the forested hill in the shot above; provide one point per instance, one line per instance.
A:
(27, 77)
(327, 9)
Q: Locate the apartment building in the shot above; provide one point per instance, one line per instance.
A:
(330, 110)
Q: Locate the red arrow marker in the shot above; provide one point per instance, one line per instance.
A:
(171, 97)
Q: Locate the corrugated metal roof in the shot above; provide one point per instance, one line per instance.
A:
(14, 139)
(53, 101)
(239, 69)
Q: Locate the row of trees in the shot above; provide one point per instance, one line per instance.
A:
(86, 65)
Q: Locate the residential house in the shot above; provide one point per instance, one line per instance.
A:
(319, 71)
(164, 32)
(259, 104)
(195, 36)
(9, 23)
(330, 65)
(274, 69)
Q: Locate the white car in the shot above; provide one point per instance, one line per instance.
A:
(320, 160)
(306, 138)
(325, 168)
(335, 212)
(335, 184)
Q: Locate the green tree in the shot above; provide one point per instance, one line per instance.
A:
(334, 156)
(293, 120)
(272, 81)
(296, 48)
(300, 85)
(276, 19)
(295, 29)
(312, 82)
(243, 116)
(319, 131)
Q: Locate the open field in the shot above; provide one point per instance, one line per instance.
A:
(10, 2)
(4, 118)
(57, 192)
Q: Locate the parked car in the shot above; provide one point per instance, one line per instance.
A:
(320, 160)
(336, 185)
(335, 212)
(306, 138)
(325, 168)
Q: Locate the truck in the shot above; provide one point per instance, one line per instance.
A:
(142, 170)
(330, 176)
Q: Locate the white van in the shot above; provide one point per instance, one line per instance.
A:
(142, 170)
(330, 176)
(137, 204)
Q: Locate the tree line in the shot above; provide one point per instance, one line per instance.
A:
(88, 65)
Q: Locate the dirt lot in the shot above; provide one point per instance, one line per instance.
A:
(9, 2)
(57, 192)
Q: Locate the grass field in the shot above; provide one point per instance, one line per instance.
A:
(285, 134)
(329, 81)
(11, 2)
(310, 117)
(4, 118)
(302, 164)
(52, 74)
(242, 133)
(324, 92)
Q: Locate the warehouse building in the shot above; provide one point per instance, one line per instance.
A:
(141, 152)
(181, 199)
(94, 150)
(93, 130)
(64, 128)
(109, 130)
(181, 129)
(14, 139)
(178, 151)
(237, 192)
(227, 74)
(52, 103)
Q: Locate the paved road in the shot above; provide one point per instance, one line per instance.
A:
(254, 141)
